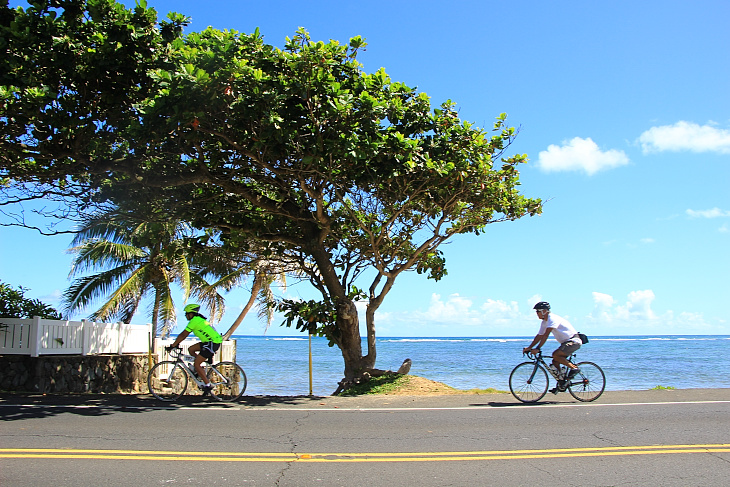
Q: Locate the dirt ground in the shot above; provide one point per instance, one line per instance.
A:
(419, 386)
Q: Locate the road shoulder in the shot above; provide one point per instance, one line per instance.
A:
(383, 401)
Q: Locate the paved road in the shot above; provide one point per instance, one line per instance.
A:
(642, 438)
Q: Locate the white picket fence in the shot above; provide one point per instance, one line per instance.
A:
(39, 336)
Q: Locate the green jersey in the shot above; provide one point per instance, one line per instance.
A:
(203, 330)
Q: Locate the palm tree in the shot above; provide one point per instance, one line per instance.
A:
(137, 254)
(265, 273)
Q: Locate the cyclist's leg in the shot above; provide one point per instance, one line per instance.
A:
(194, 350)
(199, 352)
(560, 356)
(207, 351)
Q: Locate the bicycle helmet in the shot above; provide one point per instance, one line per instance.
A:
(192, 308)
(542, 305)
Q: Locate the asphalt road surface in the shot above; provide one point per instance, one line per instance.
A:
(639, 438)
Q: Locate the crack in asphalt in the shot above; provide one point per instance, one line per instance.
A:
(291, 438)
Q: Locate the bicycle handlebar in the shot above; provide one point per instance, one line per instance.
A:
(174, 352)
(539, 355)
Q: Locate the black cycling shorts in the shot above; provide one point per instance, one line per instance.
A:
(208, 349)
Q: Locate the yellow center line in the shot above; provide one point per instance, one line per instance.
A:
(52, 453)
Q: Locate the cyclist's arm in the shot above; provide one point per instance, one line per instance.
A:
(539, 340)
(182, 336)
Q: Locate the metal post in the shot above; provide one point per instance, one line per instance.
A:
(310, 365)
(149, 351)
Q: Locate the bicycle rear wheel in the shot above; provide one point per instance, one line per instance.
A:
(589, 383)
(528, 382)
(228, 380)
(167, 380)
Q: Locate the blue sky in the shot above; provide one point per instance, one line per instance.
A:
(624, 111)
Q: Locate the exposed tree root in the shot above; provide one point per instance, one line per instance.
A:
(366, 374)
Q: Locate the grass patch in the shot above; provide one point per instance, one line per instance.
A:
(384, 384)
(662, 388)
(489, 390)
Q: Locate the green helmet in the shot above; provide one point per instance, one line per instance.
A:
(192, 308)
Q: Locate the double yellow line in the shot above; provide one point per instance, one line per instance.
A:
(54, 453)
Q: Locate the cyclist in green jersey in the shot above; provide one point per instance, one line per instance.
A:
(210, 341)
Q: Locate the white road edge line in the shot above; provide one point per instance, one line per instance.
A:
(483, 408)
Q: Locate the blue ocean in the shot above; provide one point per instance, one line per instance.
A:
(279, 366)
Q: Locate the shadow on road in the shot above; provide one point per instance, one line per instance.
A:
(27, 406)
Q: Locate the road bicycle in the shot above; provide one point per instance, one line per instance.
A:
(529, 381)
(168, 380)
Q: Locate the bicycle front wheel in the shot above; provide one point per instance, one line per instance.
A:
(589, 383)
(167, 380)
(528, 382)
(228, 380)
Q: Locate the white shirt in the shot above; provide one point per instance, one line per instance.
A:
(561, 328)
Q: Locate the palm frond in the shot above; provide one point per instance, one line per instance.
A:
(267, 304)
(85, 290)
(130, 290)
(98, 254)
(99, 227)
(208, 296)
(166, 312)
(182, 274)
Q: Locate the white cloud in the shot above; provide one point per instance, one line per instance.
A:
(638, 305)
(647, 241)
(499, 311)
(636, 317)
(580, 155)
(54, 299)
(637, 309)
(685, 136)
(460, 316)
(532, 301)
(603, 300)
(711, 213)
(456, 315)
(454, 309)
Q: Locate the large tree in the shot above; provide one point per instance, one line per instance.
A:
(350, 174)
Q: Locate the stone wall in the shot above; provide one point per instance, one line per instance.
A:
(74, 373)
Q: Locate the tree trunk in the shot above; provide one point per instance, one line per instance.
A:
(155, 312)
(255, 288)
(348, 339)
(350, 342)
(363, 368)
(357, 366)
(370, 327)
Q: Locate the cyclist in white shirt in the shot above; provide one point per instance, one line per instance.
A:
(563, 332)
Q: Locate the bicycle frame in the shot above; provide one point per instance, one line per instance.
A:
(529, 381)
(538, 359)
(190, 368)
(169, 379)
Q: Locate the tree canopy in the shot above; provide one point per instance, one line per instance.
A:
(14, 304)
(297, 151)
